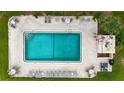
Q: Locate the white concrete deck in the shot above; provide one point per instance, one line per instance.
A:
(30, 23)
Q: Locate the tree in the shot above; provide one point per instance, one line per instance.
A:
(110, 25)
(97, 16)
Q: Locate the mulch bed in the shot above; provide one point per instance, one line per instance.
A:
(28, 12)
(108, 13)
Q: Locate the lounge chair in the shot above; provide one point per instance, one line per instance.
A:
(47, 74)
(57, 19)
(16, 20)
(63, 19)
(45, 19)
(38, 74)
(71, 19)
(12, 25)
(43, 74)
(49, 19)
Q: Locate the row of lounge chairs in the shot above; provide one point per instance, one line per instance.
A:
(40, 74)
(66, 19)
(63, 19)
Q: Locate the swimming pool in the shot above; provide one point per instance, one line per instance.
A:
(44, 47)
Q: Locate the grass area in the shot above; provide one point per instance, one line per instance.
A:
(4, 43)
(116, 74)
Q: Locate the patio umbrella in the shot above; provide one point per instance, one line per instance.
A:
(12, 72)
(91, 73)
(67, 20)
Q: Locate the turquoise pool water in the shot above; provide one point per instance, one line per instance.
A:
(52, 46)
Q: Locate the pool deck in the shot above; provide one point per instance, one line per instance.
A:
(30, 23)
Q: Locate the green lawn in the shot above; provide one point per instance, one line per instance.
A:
(116, 74)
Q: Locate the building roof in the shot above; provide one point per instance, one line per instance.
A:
(106, 44)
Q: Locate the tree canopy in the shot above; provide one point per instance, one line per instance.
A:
(110, 25)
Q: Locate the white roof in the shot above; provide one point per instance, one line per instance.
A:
(106, 44)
